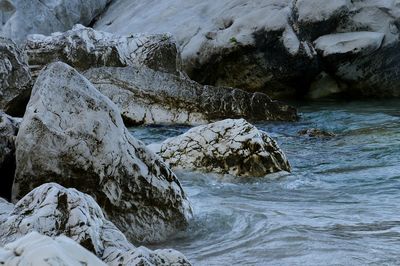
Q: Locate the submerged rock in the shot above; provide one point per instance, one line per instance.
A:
(24, 17)
(316, 133)
(8, 131)
(36, 249)
(227, 147)
(84, 48)
(53, 210)
(151, 97)
(268, 45)
(73, 135)
(15, 77)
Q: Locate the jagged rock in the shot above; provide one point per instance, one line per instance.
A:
(325, 85)
(147, 96)
(22, 17)
(267, 45)
(84, 48)
(15, 77)
(73, 135)
(53, 210)
(5, 210)
(228, 147)
(36, 249)
(8, 131)
(316, 133)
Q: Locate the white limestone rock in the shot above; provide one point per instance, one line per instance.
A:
(36, 249)
(46, 16)
(8, 131)
(363, 43)
(230, 146)
(53, 210)
(73, 135)
(15, 76)
(5, 210)
(145, 96)
(311, 11)
(84, 48)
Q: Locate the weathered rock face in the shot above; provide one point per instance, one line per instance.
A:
(228, 147)
(73, 135)
(53, 210)
(148, 96)
(316, 133)
(36, 249)
(8, 131)
(268, 45)
(21, 17)
(84, 48)
(15, 77)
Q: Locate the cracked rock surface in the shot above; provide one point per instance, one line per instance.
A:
(8, 131)
(15, 76)
(73, 135)
(268, 45)
(36, 249)
(227, 147)
(145, 96)
(21, 17)
(52, 210)
(84, 48)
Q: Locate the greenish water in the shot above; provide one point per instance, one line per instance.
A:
(339, 206)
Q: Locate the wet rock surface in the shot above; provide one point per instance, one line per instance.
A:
(146, 96)
(230, 146)
(73, 135)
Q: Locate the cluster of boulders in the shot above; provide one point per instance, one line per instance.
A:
(76, 186)
(286, 48)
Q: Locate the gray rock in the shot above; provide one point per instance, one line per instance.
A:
(15, 77)
(147, 96)
(36, 249)
(5, 209)
(230, 146)
(316, 133)
(84, 48)
(53, 210)
(21, 17)
(8, 131)
(267, 45)
(73, 135)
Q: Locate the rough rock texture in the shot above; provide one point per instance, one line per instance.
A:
(8, 131)
(84, 48)
(148, 96)
(36, 249)
(22, 17)
(5, 210)
(73, 135)
(316, 133)
(228, 147)
(267, 45)
(53, 210)
(15, 77)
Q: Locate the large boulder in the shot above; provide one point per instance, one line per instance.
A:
(147, 96)
(53, 210)
(84, 48)
(73, 135)
(36, 249)
(267, 45)
(8, 131)
(230, 146)
(15, 77)
(22, 17)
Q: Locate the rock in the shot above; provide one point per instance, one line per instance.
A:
(15, 77)
(84, 48)
(147, 96)
(5, 210)
(45, 17)
(8, 131)
(53, 210)
(267, 45)
(73, 135)
(36, 249)
(227, 147)
(325, 85)
(316, 133)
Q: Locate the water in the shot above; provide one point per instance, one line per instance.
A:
(339, 206)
